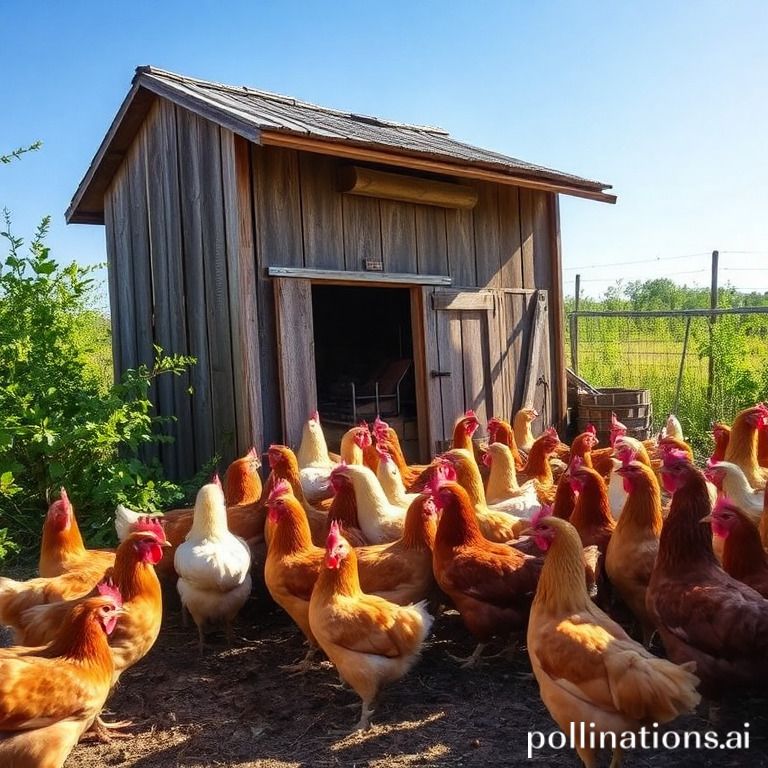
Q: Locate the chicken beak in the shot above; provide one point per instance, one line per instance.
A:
(707, 519)
(166, 544)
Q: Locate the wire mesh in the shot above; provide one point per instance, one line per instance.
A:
(647, 352)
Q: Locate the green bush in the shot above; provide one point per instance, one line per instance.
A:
(62, 421)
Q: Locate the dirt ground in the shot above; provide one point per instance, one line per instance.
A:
(236, 707)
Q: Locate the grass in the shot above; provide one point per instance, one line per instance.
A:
(646, 354)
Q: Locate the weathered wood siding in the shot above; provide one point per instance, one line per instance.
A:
(195, 216)
(504, 244)
(182, 276)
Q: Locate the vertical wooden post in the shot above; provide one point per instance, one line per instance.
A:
(712, 305)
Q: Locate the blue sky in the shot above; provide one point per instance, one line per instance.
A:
(666, 101)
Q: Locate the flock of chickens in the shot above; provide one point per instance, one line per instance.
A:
(571, 544)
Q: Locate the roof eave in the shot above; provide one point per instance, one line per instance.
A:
(435, 163)
(87, 206)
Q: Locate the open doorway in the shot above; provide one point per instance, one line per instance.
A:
(364, 359)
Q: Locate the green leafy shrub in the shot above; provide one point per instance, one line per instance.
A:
(62, 421)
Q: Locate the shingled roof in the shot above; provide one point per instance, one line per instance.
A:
(271, 119)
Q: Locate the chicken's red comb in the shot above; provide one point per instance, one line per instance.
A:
(551, 432)
(215, 480)
(544, 511)
(108, 588)
(591, 429)
(383, 453)
(252, 453)
(64, 497)
(469, 414)
(281, 488)
(149, 524)
(334, 536)
(315, 416)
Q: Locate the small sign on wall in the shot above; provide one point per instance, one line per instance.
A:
(371, 265)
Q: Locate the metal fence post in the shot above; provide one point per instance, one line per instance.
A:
(712, 305)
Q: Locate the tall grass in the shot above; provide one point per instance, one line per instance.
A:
(646, 353)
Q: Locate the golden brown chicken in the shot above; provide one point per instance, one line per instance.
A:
(62, 548)
(50, 696)
(742, 444)
(634, 543)
(370, 641)
(588, 669)
(495, 525)
(490, 584)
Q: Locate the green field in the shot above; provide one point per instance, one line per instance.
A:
(646, 353)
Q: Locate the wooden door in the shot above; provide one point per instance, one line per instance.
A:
(485, 349)
(295, 354)
(462, 358)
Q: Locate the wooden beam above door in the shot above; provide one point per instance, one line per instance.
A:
(343, 276)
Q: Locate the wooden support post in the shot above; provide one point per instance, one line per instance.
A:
(712, 318)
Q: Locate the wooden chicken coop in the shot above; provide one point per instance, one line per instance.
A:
(300, 252)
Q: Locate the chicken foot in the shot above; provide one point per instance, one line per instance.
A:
(471, 660)
(302, 666)
(106, 732)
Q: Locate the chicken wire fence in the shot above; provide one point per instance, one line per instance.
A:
(703, 365)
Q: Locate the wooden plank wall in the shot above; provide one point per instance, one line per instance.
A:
(195, 216)
(182, 277)
(505, 242)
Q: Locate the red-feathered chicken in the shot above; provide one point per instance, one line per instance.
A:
(742, 445)
(500, 431)
(490, 584)
(591, 515)
(743, 556)
(370, 641)
(293, 563)
(282, 461)
(50, 696)
(721, 433)
(343, 510)
(136, 632)
(703, 614)
(581, 449)
(633, 546)
(602, 457)
(62, 548)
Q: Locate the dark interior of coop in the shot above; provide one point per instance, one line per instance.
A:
(364, 360)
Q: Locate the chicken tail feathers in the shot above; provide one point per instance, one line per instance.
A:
(647, 688)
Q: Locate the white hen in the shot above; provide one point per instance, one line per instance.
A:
(391, 481)
(213, 565)
(503, 493)
(380, 521)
